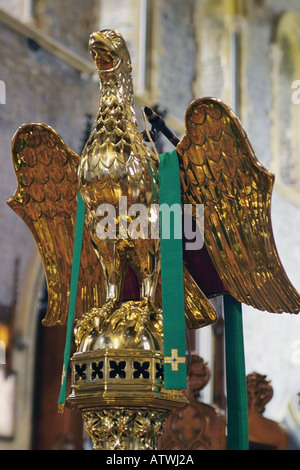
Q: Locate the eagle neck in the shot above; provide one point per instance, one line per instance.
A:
(116, 97)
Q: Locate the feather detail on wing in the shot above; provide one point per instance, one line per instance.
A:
(46, 200)
(198, 310)
(219, 169)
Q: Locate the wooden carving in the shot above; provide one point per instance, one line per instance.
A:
(199, 426)
(264, 434)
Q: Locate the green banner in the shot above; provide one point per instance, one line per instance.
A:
(172, 272)
(237, 407)
(79, 227)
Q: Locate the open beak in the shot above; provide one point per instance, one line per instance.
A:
(99, 43)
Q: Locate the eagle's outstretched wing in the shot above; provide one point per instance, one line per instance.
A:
(46, 199)
(219, 169)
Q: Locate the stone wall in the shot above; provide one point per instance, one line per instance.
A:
(39, 88)
(69, 22)
(271, 341)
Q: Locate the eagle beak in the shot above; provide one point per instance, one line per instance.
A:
(103, 50)
(98, 41)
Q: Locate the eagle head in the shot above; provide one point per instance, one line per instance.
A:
(109, 51)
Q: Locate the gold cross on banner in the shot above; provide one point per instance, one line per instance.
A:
(174, 360)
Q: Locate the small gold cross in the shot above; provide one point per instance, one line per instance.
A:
(174, 360)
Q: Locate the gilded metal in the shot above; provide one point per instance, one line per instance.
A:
(117, 366)
(117, 375)
(219, 169)
(46, 200)
(49, 175)
(110, 371)
(116, 162)
(117, 430)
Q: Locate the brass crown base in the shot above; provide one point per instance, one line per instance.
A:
(117, 379)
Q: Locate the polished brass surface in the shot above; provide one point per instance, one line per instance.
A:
(121, 327)
(119, 360)
(115, 162)
(116, 430)
(199, 312)
(117, 376)
(117, 367)
(220, 170)
(112, 378)
(46, 200)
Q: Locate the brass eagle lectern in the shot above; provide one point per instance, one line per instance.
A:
(117, 380)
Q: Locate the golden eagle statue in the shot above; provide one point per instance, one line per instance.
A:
(218, 168)
(119, 356)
